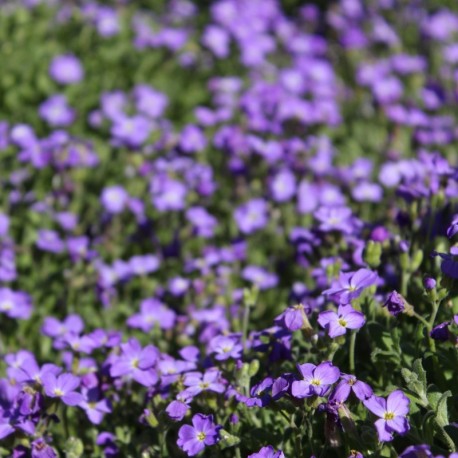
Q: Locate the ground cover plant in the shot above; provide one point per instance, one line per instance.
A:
(229, 228)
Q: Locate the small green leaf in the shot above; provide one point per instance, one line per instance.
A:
(227, 440)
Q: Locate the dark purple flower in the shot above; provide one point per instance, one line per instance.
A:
(440, 332)
(395, 303)
(338, 323)
(316, 379)
(63, 387)
(392, 413)
(40, 449)
(203, 432)
(417, 451)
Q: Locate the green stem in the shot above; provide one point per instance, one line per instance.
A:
(352, 352)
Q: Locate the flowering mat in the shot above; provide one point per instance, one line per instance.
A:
(229, 228)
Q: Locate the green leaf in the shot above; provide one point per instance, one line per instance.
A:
(74, 448)
(441, 409)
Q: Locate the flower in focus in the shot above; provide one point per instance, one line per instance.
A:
(63, 387)
(203, 432)
(350, 383)
(338, 323)
(350, 285)
(316, 379)
(392, 413)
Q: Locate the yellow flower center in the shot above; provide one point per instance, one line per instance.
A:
(388, 415)
(135, 363)
(316, 382)
(342, 322)
(58, 392)
(201, 436)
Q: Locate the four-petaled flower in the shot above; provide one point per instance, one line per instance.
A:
(392, 413)
(316, 379)
(338, 323)
(203, 432)
(62, 387)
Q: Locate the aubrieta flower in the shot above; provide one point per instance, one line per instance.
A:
(15, 304)
(392, 412)
(203, 432)
(66, 69)
(395, 303)
(350, 285)
(267, 452)
(152, 313)
(196, 382)
(347, 384)
(178, 408)
(63, 387)
(225, 347)
(94, 407)
(316, 380)
(338, 323)
(136, 362)
(56, 111)
(114, 199)
(251, 216)
(335, 219)
(293, 318)
(260, 277)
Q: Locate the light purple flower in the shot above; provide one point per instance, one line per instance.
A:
(203, 432)
(267, 452)
(225, 347)
(114, 199)
(338, 323)
(136, 362)
(152, 313)
(56, 111)
(62, 387)
(316, 379)
(260, 277)
(350, 285)
(15, 304)
(335, 219)
(283, 186)
(392, 413)
(251, 216)
(196, 382)
(66, 69)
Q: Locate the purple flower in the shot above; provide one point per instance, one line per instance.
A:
(260, 277)
(152, 312)
(56, 111)
(114, 199)
(40, 449)
(132, 131)
(316, 379)
(338, 323)
(251, 216)
(66, 69)
(196, 382)
(395, 303)
(417, 451)
(203, 432)
(94, 407)
(225, 347)
(283, 186)
(15, 304)
(350, 285)
(62, 387)
(192, 139)
(335, 219)
(136, 362)
(429, 283)
(392, 413)
(48, 240)
(293, 318)
(267, 452)
(350, 383)
(178, 408)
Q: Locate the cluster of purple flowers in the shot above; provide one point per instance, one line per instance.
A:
(263, 263)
